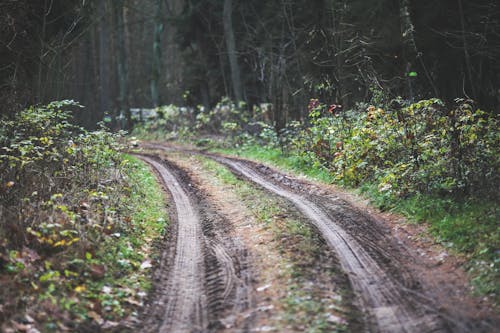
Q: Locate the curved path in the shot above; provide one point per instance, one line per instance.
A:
(392, 298)
(389, 308)
(186, 303)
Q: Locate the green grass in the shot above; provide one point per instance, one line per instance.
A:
(299, 246)
(147, 199)
(275, 157)
(469, 227)
(122, 284)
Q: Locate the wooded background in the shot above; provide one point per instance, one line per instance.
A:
(111, 55)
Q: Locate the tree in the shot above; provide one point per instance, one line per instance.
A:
(121, 63)
(104, 57)
(157, 54)
(231, 50)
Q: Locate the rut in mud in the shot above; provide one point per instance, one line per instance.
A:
(203, 276)
(392, 299)
(388, 287)
(387, 305)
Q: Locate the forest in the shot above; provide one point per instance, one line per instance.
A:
(111, 55)
(244, 166)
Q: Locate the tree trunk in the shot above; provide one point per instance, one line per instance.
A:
(409, 46)
(411, 53)
(231, 50)
(466, 50)
(40, 89)
(157, 62)
(122, 66)
(104, 59)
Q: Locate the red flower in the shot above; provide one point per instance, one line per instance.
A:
(333, 107)
(313, 104)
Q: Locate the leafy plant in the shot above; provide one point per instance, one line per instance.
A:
(70, 204)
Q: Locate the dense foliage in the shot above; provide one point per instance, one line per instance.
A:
(112, 54)
(72, 224)
(433, 162)
(423, 147)
(406, 148)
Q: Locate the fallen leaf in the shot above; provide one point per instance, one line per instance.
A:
(133, 302)
(29, 254)
(97, 317)
(20, 327)
(29, 319)
(336, 319)
(264, 287)
(84, 206)
(97, 271)
(107, 290)
(110, 324)
(146, 264)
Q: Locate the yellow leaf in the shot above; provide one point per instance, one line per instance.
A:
(60, 243)
(73, 240)
(80, 289)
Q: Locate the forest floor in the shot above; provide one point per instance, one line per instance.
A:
(252, 249)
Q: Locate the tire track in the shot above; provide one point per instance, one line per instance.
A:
(389, 307)
(204, 276)
(186, 302)
(387, 277)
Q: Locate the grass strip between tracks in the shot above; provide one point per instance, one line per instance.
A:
(305, 307)
(466, 227)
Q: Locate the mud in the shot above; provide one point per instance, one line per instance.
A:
(274, 250)
(203, 276)
(397, 288)
(384, 274)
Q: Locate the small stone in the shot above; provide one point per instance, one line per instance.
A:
(264, 287)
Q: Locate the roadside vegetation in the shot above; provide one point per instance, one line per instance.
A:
(436, 164)
(78, 224)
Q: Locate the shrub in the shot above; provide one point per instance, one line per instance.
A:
(421, 148)
(63, 199)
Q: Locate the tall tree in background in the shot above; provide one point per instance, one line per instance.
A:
(232, 52)
(157, 54)
(122, 63)
(104, 56)
(278, 52)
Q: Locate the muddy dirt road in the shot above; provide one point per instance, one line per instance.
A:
(203, 274)
(207, 279)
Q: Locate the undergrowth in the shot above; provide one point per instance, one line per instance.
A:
(77, 222)
(432, 162)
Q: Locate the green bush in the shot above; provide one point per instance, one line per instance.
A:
(43, 157)
(68, 210)
(421, 148)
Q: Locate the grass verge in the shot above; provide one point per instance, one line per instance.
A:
(130, 254)
(468, 227)
(99, 280)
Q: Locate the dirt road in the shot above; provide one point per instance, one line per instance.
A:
(204, 275)
(203, 281)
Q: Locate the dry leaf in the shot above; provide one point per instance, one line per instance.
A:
(97, 317)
